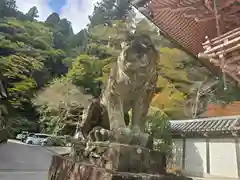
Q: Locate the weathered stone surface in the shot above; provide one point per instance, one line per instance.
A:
(130, 86)
(64, 169)
(132, 159)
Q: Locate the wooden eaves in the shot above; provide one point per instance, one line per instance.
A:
(206, 127)
(188, 22)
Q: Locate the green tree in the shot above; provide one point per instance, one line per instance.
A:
(172, 66)
(32, 13)
(65, 27)
(62, 32)
(28, 61)
(5, 111)
(8, 8)
(158, 126)
(85, 72)
(77, 43)
(108, 10)
(53, 19)
(122, 8)
(60, 105)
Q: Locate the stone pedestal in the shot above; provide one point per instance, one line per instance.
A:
(65, 169)
(132, 159)
(115, 162)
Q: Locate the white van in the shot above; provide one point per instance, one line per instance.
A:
(36, 139)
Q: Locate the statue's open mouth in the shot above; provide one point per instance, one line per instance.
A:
(143, 61)
(142, 58)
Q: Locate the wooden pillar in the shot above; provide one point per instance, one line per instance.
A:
(184, 152)
(207, 152)
(236, 139)
(208, 155)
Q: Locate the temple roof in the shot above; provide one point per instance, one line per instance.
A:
(206, 125)
(188, 22)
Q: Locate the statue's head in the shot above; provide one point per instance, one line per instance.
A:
(139, 51)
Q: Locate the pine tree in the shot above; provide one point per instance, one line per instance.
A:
(108, 10)
(8, 8)
(32, 13)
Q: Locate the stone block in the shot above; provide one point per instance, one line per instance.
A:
(66, 169)
(132, 159)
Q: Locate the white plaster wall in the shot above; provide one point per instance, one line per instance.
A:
(177, 152)
(195, 157)
(223, 161)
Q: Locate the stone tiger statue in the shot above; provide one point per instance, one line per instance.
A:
(130, 86)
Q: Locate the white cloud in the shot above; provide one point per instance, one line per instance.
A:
(76, 11)
(42, 5)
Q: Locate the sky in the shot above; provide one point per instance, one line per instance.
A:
(76, 11)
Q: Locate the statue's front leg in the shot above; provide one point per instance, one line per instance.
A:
(138, 112)
(115, 113)
(118, 126)
(139, 137)
(141, 105)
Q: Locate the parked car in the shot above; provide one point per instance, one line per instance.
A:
(22, 136)
(29, 135)
(36, 139)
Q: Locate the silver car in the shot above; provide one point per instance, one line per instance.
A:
(36, 139)
(22, 136)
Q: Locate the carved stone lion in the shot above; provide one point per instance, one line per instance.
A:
(130, 86)
(131, 83)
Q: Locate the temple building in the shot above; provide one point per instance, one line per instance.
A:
(209, 30)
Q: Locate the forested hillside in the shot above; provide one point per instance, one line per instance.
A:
(32, 54)
(51, 73)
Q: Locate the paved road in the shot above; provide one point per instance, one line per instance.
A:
(23, 162)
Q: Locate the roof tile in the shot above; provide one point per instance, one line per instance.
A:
(220, 124)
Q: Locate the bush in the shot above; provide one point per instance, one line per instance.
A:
(158, 126)
(57, 141)
(59, 105)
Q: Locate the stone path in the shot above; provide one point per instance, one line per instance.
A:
(23, 162)
(19, 161)
(24, 175)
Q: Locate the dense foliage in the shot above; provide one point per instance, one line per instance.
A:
(51, 72)
(60, 105)
(31, 55)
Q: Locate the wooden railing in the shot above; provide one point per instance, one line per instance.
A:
(224, 52)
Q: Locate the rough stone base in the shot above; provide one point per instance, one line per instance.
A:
(64, 169)
(132, 159)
